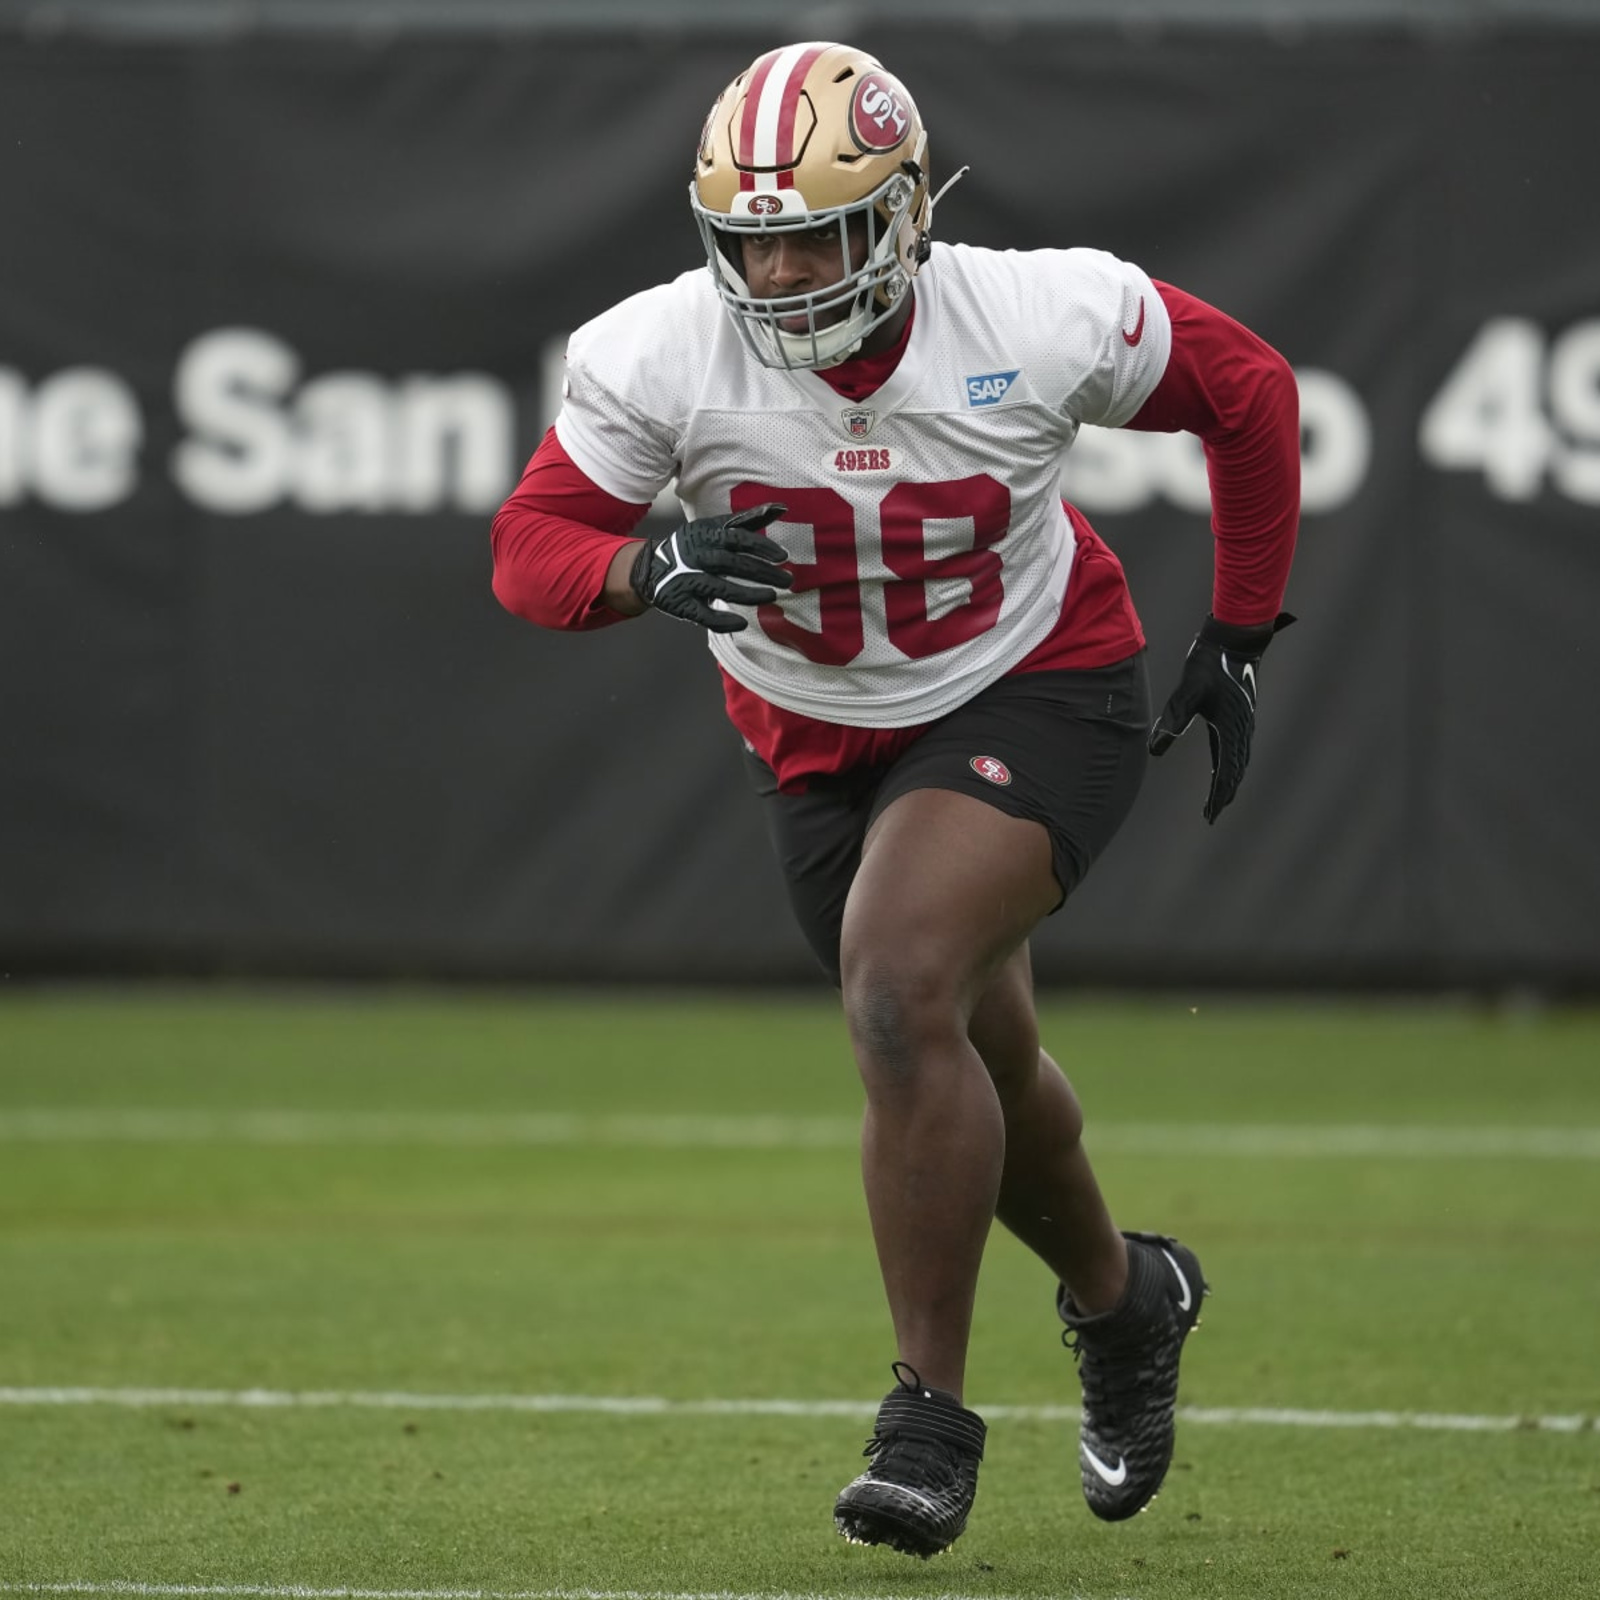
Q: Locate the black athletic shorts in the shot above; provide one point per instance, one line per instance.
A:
(1066, 749)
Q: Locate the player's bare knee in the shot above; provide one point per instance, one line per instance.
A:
(1014, 1071)
(897, 1011)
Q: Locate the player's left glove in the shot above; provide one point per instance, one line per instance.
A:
(1218, 684)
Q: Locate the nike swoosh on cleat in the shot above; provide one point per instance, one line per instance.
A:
(1186, 1301)
(911, 1494)
(901, 1490)
(1113, 1475)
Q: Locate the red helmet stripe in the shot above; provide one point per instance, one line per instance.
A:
(766, 124)
(747, 120)
(787, 154)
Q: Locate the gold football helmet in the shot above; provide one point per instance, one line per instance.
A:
(809, 136)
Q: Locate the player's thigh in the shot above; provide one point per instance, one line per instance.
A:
(985, 824)
(1063, 748)
(948, 888)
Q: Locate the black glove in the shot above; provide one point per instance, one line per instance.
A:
(1219, 684)
(682, 572)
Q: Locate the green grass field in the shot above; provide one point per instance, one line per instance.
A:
(440, 1230)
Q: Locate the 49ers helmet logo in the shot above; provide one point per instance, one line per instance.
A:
(765, 205)
(880, 114)
(992, 768)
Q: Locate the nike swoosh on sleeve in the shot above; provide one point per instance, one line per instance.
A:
(1138, 327)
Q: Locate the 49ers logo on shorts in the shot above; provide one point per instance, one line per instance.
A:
(992, 768)
(878, 119)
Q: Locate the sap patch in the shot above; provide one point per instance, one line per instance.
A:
(990, 388)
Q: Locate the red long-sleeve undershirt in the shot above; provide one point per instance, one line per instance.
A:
(1239, 395)
(554, 539)
(556, 535)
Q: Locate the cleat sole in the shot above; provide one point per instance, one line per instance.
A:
(865, 1528)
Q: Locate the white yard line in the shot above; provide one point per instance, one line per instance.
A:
(295, 1591)
(52, 1125)
(59, 1125)
(653, 1405)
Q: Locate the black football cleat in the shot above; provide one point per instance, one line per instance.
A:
(916, 1495)
(1128, 1360)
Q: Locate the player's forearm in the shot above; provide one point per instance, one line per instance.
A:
(1254, 471)
(553, 572)
(618, 594)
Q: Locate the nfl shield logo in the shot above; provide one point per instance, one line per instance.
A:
(858, 421)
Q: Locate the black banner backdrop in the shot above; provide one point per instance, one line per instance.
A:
(278, 320)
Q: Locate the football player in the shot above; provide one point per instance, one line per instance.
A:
(938, 676)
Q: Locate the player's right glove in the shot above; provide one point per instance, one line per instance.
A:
(1218, 684)
(682, 572)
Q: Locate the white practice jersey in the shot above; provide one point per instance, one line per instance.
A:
(924, 525)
